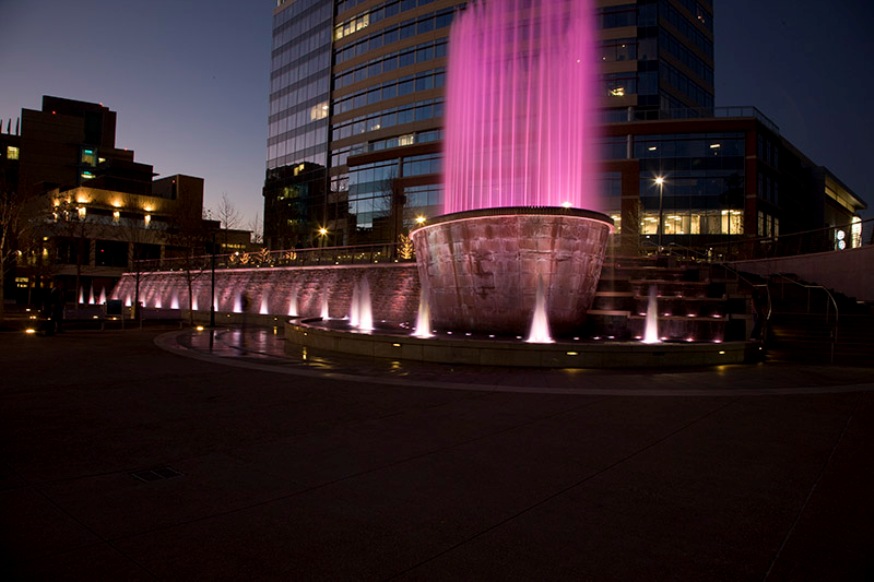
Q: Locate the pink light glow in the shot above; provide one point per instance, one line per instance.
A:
(520, 118)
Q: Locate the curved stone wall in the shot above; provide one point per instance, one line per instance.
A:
(282, 291)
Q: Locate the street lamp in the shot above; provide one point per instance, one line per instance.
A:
(212, 289)
(660, 182)
(323, 234)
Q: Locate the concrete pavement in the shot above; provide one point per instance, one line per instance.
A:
(122, 460)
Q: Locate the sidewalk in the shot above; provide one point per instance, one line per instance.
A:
(122, 460)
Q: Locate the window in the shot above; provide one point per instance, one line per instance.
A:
(11, 153)
(319, 111)
(89, 157)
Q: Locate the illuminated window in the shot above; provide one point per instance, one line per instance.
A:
(407, 139)
(732, 222)
(856, 232)
(89, 157)
(11, 153)
(319, 111)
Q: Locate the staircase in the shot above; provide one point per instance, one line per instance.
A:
(805, 327)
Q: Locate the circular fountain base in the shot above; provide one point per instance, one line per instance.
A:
(315, 336)
(482, 269)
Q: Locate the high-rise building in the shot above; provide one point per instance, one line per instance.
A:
(356, 111)
(356, 117)
(656, 58)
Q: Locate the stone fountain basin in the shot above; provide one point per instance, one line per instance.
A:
(314, 335)
(482, 268)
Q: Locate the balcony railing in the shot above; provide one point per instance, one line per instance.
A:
(265, 259)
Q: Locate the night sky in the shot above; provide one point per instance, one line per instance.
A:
(189, 80)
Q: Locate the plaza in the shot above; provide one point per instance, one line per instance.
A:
(143, 454)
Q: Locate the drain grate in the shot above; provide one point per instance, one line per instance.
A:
(156, 474)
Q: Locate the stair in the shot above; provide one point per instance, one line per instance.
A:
(803, 327)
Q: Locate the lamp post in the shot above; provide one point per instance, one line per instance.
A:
(660, 182)
(212, 287)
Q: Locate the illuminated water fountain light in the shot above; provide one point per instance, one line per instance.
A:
(102, 298)
(539, 333)
(326, 313)
(651, 326)
(361, 309)
(265, 304)
(521, 106)
(519, 171)
(292, 303)
(423, 316)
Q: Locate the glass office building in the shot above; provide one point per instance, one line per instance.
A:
(356, 114)
(356, 118)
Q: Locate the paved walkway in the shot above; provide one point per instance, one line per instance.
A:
(121, 460)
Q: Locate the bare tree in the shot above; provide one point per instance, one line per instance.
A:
(256, 226)
(189, 235)
(69, 222)
(228, 216)
(12, 227)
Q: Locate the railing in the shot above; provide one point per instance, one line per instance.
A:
(833, 336)
(698, 113)
(740, 247)
(265, 259)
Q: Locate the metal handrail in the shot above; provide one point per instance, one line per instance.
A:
(834, 303)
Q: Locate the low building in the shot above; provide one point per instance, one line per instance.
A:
(728, 184)
(91, 210)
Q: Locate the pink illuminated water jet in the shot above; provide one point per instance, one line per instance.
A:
(423, 317)
(520, 117)
(539, 333)
(651, 329)
(361, 310)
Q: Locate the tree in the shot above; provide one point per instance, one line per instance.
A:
(228, 216)
(189, 235)
(255, 225)
(12, 227)
(71, 226)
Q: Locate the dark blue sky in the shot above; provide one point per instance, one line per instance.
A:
(189, 80)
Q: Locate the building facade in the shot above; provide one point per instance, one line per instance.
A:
(356, 117)
(88, 210)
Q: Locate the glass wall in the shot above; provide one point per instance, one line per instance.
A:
(298, 123)
(702, 186)
(391, 101)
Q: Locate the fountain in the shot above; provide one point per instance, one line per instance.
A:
(326, 314)
(539, 332)
(265, 304)
(521, 244)
(651, 327)
(519, 170)
(423, 315)
(361, 311)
